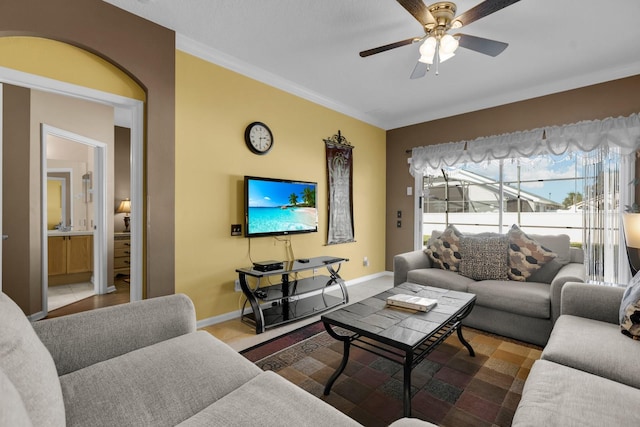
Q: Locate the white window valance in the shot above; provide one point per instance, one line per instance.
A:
(622, 132)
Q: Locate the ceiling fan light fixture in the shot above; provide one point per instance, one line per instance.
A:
(444, 56)
(428, 50)
(448, 44)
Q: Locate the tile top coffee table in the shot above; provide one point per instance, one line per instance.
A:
(401, 335)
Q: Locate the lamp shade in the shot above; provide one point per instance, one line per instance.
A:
(125, 206)
(631, 223)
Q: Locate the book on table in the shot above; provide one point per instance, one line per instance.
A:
(412, 302)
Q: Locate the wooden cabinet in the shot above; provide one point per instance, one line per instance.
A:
(70, 254)
(121, 253)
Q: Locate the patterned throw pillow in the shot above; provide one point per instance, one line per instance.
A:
(484, 258)
(630, 309)
(525, 255)
(444, 251)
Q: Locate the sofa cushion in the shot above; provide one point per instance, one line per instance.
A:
(444, 250)
(556, 395)
(29, 366)
(484, 258)
(444, 279)
(530, 299)
(525, 255)
(269, 400)
(162, 384)
(12, 409)
(595, 347)
(630, 309)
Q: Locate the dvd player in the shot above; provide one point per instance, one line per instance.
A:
(268, 265)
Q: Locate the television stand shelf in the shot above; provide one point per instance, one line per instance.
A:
(292, 299)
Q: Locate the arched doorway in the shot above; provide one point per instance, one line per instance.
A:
(123, 107)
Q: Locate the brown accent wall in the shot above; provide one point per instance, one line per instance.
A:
(18, 277)
(610, 99)
(146, 52)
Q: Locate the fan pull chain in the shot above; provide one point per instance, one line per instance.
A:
(437, 61)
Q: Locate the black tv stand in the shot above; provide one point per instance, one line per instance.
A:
(292, 299)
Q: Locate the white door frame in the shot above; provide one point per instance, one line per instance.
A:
(129, 113)
(100, 251)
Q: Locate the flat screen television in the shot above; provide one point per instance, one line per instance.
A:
(276, 207)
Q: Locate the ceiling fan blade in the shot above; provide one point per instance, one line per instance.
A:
(480, 44)
(387, 47)
(418, 10)
(419, 70)
(483, 9)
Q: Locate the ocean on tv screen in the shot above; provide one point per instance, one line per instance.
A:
(282, 219)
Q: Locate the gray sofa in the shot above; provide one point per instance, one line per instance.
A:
(587, 374)
(141, 364)
(522, 310)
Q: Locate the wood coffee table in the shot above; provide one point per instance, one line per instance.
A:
(403, 336)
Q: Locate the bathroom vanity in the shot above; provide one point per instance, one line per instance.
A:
(70, 256)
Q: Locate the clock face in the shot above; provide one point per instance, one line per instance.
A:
(259, 138)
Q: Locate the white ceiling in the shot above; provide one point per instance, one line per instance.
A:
(310, 48)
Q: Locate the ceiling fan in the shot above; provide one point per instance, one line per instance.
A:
(438, 45)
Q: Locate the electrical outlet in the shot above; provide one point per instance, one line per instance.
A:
(236, 229)
(365, 262)
(237, 285)
(315, 271)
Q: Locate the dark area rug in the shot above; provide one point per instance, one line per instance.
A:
(449, 388)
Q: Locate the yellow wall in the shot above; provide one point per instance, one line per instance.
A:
(60, 61)
(213, 107)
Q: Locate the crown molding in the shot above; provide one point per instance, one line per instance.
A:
(214, 56)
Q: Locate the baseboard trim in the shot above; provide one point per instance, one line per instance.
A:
(237, 313)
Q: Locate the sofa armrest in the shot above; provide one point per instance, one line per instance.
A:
(403, 263)
(572, 272)
(79, 340)
(591, 301)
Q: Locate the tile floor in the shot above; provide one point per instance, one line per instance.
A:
(241, 336)
(61, 295)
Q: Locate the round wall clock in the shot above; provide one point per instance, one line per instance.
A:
(258, 137)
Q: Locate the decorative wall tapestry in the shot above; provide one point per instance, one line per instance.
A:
(340, 178)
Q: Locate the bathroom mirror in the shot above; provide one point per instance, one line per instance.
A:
(59, 204)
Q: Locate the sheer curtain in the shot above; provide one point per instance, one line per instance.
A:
(609, 163)
(607, 175)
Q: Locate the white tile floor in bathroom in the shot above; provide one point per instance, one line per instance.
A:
(61, 295)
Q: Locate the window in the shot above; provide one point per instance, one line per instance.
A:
(542, 194)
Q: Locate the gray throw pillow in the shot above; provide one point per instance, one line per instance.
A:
(12, 410)
(630, 309)
(484, 258)
(29, 366)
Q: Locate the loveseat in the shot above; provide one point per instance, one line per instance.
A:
(141, 364)
(587, 374)
(525, 310)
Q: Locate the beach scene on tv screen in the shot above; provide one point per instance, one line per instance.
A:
(276, 206)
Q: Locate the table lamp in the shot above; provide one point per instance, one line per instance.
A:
(125, 208)
(631, 223)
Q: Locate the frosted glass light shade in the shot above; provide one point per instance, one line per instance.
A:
(631, 223)
(448, 44)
